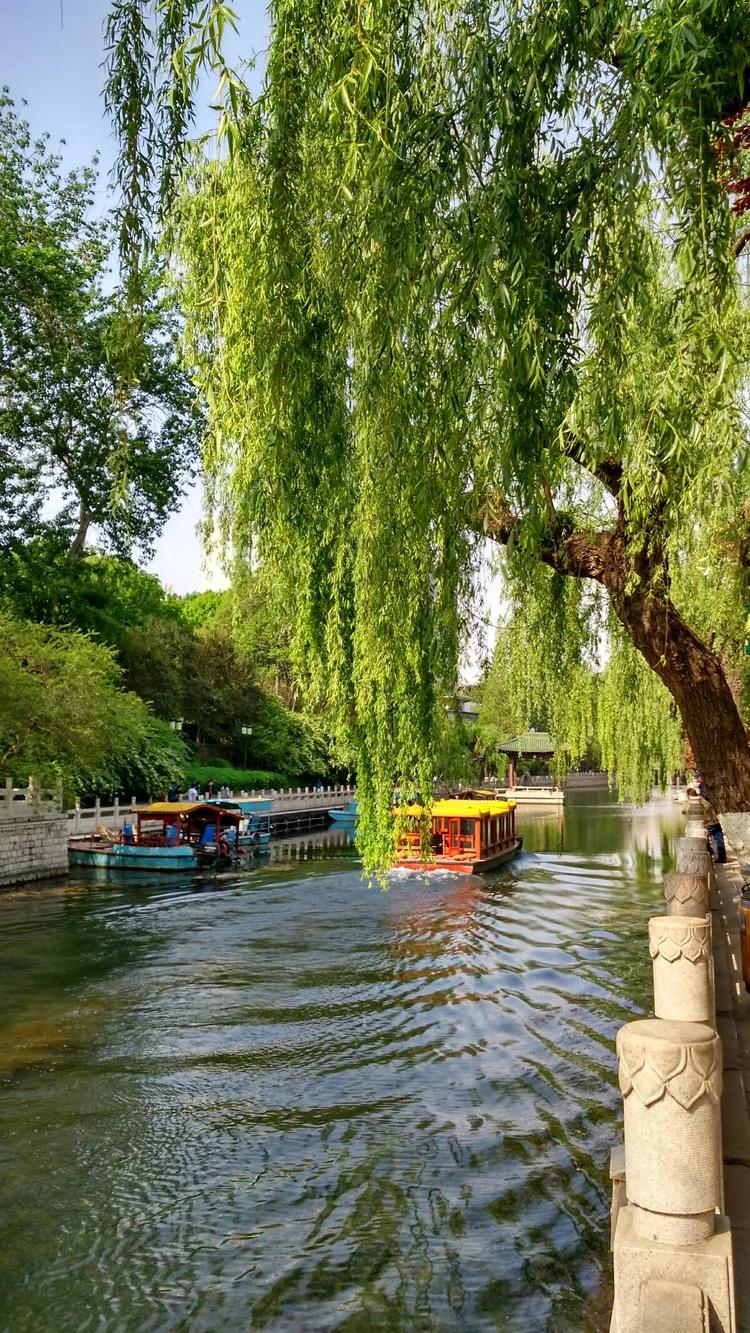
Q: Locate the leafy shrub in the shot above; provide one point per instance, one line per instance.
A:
(144, 767)
(65, 717)
(237, 779)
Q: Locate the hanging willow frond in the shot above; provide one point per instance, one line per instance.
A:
(458, 252)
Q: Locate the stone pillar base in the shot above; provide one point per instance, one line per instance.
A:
(643, 1266)
(619, 1194)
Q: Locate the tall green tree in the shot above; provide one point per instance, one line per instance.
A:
(86, 429)
(64, 716)
(468, 271)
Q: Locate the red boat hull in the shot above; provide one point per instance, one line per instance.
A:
(463, 865)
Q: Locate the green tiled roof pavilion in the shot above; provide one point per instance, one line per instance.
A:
(529, 742)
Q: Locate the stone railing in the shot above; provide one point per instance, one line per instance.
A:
(673, 1265)
(85, 819)
(33, 833)
(29, 801)
(293, 797)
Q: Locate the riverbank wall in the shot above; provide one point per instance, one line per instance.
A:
(592, 781)
(33, 834)
(680, 1227)
(33, 847)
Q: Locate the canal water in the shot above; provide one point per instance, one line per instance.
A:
(290, 1100)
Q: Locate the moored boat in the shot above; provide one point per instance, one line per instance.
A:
(467, 836)
(255, 819)
(173, 836)
(345, 814)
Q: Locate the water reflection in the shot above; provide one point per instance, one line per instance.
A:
(292, 1100)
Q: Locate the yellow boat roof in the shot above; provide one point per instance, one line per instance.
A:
(459, 809)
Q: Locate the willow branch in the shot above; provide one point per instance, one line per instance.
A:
(551, 512)
(581, 553)
(608, 471)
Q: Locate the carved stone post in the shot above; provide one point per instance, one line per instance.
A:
(670, 1079)
(673, 1262)
(680, 947)
(686, 895)
(695, 826)
(692, 851)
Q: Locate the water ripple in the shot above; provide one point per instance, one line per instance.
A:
(293, 1100)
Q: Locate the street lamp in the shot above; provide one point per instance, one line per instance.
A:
(246, 731)
(177, 724)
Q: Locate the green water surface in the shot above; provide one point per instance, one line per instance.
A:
(290, 1100)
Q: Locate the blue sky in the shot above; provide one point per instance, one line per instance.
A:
(51, 54)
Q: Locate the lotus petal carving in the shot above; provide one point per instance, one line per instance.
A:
(691, 942)
(686, 1073)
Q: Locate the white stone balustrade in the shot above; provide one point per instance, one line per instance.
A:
(694, 858)
(672, 1244)
(670, 1079)
(680, 947)
(686, 895)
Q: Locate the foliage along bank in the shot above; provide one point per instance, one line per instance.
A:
(99, 434)
(471, 276)
(91, 684)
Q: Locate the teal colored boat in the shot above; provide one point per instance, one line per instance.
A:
(172, 836)
(346, 815)
(255, 821)
(129, 856)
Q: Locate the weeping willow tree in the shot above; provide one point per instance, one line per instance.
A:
(464, 272)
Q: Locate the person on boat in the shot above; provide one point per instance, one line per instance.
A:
(229, 835)
(173, 834)
(127, 833)
(192, 793)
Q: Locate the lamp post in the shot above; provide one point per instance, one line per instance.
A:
(246, 731)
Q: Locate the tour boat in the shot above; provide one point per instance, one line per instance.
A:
(255, 819)
(176, 836)
(468, 836)
(345, 814)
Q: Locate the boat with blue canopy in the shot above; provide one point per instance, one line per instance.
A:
(346, 815)
(255, 819)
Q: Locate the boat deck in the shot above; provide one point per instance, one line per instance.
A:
(463, 864)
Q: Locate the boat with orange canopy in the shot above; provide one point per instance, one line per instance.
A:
(467, 835)
(168, 836)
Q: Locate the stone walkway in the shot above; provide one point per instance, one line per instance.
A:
(733, 1024)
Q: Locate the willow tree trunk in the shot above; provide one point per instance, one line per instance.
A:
(691, 672)
(697, 682)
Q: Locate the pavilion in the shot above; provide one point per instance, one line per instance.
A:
(531, 744)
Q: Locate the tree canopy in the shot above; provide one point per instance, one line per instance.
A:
(64, 716)
(86, 430)
(467, 271)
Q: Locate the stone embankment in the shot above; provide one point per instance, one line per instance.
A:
(33, 835)
(681, 1181)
